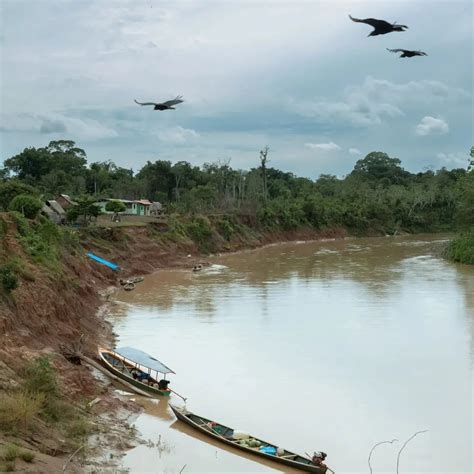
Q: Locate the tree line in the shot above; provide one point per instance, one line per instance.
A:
(379, 195)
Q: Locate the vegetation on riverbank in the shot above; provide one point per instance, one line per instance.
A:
(378, 197)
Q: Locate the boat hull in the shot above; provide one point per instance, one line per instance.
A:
(303, 465)
(105, 357)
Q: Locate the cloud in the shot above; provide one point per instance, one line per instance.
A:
(458, 159)
(52, 126)
(55, 123)
(331, 146)
(376, 100)
(355, 151)
(432, 126)
(177, 135)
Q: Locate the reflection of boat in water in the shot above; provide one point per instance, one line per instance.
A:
(136, 367)
(255, 447)
(158, 407)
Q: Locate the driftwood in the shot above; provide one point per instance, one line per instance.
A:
(74, 351)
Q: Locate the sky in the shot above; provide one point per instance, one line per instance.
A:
(298, 76)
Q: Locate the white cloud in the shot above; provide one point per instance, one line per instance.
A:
(355, 151)
(54, 124)
(177, 135)
(331, 146)
(450, 160)
(378, 99)
(432, 126)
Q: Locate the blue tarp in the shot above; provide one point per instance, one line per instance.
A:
(111, 265)
(144, 359)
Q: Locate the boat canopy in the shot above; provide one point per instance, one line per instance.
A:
(144, 359)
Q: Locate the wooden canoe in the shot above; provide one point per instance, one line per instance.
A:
(225, 435)
(125, 368)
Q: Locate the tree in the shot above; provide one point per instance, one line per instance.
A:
(263, 167)
(116, 207)
(30, 165)
(29, 206)
(85, 208)
(379, 166)
(12, 188)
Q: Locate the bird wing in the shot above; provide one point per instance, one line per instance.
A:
(145, 103)
(420, 53)
(397, 50)
(371, 21)
(176, 100)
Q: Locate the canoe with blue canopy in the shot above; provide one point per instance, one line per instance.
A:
(137, 368)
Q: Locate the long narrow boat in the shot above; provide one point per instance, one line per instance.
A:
(137, 368)
(262, 448)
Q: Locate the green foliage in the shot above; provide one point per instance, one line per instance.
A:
(41, 378)
(225, 228)
(27, 456)
(8, 279)
(29, 206)
(19, 409)
(115, 206)
(461, 249)
(84, 210)
(13, 188)
(11, 452)
(200, 231)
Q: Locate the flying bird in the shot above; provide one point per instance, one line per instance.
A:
(381, 27)
(168, 105)
(406, 53)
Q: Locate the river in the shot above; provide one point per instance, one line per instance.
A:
(331, 345)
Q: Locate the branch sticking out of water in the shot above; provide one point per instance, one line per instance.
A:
(404, 444)
(373, 449)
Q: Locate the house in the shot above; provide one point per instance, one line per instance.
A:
(140, 207)
(65, 201)
(54, 211)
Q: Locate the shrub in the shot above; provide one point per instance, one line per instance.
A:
(461, 249)
(8, 467)
(10, 189)
(200, 232)
(8, 279)
(225, 228)
(29, 206)
(27, 456)
(12, 451)
(41, 378)
(115, 206)
(19, 409)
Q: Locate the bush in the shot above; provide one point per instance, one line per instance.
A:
(8, 279)
(40, 378)
(115, 206)
(225, 228)
(18, 410)
(200, 231)
(11, 452)
(29, 206)
(10, 189)
(461, 249)
(27, 456)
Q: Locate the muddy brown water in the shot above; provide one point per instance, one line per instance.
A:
(332, 345)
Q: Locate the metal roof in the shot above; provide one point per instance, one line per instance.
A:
(144, 359)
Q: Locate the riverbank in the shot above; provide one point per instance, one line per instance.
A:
(51, 296)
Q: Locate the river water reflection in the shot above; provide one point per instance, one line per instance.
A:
(325, 345)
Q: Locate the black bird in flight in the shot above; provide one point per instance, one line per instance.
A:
(168, 105)
(406, 53)
(381, 27)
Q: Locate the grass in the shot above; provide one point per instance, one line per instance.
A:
(461, 249)
(19, 409)
(11, 452)
(27, 456)
(8, 467)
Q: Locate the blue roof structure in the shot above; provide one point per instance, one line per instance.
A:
(144, 359)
